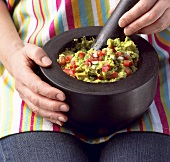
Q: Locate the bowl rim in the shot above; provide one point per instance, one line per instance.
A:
(55, 75)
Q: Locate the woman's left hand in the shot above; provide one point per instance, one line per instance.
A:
(146, 17)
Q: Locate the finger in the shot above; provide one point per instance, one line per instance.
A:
(54, 117)
(41, 101)
(37, 54)
(135, 12)
(38, 86)
(159, 25)
(148, 18)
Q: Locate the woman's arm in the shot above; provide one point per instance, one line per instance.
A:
(9, 38)
(19, 60)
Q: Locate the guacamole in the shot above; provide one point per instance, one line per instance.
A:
(117, 60)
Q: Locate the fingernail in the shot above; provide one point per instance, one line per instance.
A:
(62, 119)
(57, 122)
(64, 108)
(60, 97)
(122, 23)
(46, 60)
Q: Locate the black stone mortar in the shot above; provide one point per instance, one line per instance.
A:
(98, 109)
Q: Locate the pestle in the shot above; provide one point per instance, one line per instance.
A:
(111, 29)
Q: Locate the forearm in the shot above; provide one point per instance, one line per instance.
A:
(9, 38)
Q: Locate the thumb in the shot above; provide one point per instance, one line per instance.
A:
(37, 54)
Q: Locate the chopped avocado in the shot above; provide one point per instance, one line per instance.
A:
(116, 61)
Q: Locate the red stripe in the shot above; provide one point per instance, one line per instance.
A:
(10, 8)
(58, 3)
(56, 128)
(36, 22)
(21, 115)
(158, 101)
(160, 109)
(69, 13)
(140, 124)
(52, 32)
(32, 121)
(150, 39)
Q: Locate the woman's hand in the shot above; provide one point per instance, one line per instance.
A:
(40, 97)
(146, 17)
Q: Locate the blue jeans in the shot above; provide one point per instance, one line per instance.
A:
(58, 147)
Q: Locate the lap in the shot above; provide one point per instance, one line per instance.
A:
(137, 147)
(42, 147)
(52, 147)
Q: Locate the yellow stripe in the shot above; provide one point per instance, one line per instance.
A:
(107, 7)
(38, 123)
(144, 123)
(99, 12)
(134, 126)
(2, 69)
(76, 13)
(23, 119)
(4, 99)
(56, 25)
(11, 93)
(11, 2)
(7, 126)
(26, 118)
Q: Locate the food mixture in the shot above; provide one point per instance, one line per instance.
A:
(117, 60)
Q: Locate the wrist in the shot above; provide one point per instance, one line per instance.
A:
(8, 52)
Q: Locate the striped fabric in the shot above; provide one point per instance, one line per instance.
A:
(37, 21)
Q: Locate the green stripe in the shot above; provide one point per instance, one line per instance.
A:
(107, 8)
(167, 33)
(89, 13)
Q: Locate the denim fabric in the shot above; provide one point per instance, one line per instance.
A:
(42, 147)
(137, 147)
(58, 147)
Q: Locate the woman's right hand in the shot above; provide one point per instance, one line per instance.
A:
(41, 98)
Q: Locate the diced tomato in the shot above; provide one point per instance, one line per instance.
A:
(70, 72)
(100, 77)
(113, 75)
(128, 71)
(81, 54)
(88, 62)
(66, 71)
(100, 58)
(73, 64)
(100, 53)
(68, 58)
(106, 67)
(127, 63)
(62, 61)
